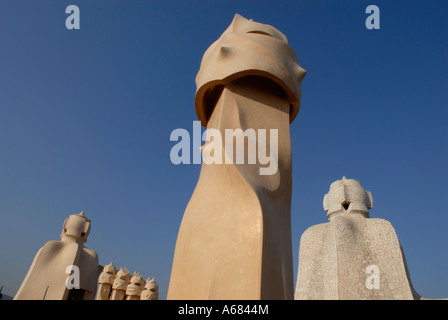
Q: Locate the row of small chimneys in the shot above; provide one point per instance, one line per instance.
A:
(120, 285)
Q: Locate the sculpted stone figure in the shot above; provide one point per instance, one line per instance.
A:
(120, 284)
(134, 289)
(105, 282)
(46, 278)
(151, 290)
(352, 256)
(234, 241)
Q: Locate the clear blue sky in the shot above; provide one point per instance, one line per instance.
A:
(86, 116)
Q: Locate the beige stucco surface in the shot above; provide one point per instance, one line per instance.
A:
(234, 241)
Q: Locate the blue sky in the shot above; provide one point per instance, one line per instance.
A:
(86, 117)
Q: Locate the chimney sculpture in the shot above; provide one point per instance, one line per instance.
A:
(60, 266)
(352, 257)
(234, 241)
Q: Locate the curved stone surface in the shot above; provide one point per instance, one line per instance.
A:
(234, 241)
(248, 48)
